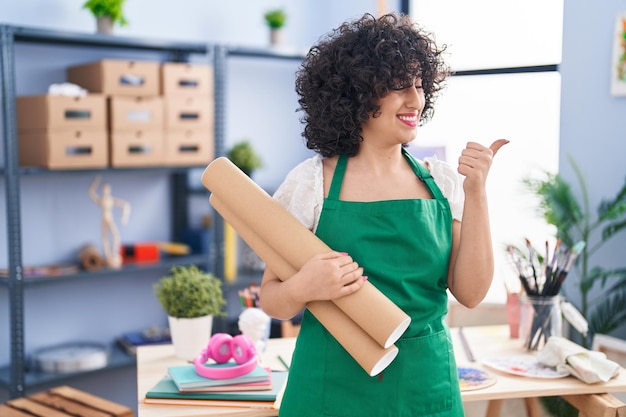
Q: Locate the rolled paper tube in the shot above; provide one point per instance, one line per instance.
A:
(368, 353)
(280, 230)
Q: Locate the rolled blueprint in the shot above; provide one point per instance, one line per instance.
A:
(297, 244)
(372, 357)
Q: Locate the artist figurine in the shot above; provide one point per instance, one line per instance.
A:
(110, 233)
(391, 219)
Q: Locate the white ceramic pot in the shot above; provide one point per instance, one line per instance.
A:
(190, 336)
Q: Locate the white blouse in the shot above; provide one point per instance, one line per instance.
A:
(302, 192)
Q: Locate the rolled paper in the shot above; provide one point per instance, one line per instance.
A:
(90, 258)
(280, 230)
(369, 354)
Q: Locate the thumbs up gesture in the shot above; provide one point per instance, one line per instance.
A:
(475, 161)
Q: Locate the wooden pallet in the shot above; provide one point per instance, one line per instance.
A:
(63, 401)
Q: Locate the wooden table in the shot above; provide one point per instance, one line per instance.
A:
(484, 341)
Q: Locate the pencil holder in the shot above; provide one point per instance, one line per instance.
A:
(540, 318)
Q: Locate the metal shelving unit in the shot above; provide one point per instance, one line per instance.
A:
(14, 376)
(221, 54)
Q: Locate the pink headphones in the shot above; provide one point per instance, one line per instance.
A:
(222, 347)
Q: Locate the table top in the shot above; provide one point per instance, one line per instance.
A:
(484, 342)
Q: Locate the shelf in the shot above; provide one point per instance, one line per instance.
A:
(117, 359)
(26, 34)
(164, 263)
(264, 53)
(33, 171)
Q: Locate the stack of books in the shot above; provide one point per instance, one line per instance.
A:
(261, 388)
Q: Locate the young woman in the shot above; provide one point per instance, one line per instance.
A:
(390, 219)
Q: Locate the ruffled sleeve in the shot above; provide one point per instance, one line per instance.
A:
(450, 182)
(302, 192)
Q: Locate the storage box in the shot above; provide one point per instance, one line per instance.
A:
(135, 113)
(189, 112)
(136, 148)
(117, 77)
(63, 149)
(188, 147)
(186, 79)
(61, 112)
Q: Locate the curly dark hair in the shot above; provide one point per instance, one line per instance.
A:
(343, 77)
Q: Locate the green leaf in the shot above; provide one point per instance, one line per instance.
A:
(189, 292)
(609, 315)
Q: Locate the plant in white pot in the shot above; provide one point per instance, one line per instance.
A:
(107, 14)
(275, 20)
(191, 298)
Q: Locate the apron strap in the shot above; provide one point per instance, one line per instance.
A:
(422, 173)
(335, 185)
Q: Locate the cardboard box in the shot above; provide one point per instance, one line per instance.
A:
(117, 77)
(189, 147)
(61, 112)
(64, 149)
(186, 79)
(189, 112)
(135, 113)
(136, 148)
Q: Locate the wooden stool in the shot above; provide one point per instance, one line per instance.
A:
(63, 401)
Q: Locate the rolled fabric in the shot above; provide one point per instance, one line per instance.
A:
(280, 230)
(369, 354)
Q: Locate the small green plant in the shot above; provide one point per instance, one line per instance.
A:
(189, 292)
(107, 8)
(244, 157)
(275, 18)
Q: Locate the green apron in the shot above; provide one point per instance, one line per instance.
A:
(404, 247)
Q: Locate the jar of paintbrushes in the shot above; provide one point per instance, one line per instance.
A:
(541, 276)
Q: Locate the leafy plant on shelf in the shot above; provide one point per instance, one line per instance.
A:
(107, 8)
(275, 18)
(243, 155)
(574, 222)
(189, 292)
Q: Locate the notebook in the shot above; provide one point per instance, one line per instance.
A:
(185, 376)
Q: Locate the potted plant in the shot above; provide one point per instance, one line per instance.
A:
(242, 154)
(107, 14)
(275, 19)
(190, 298)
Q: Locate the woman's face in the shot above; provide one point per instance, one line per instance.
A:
(399, 115)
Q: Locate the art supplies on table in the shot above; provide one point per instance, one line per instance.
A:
(541, 277)
(250, 296)
(472, 378)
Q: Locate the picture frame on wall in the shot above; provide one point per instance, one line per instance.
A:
(618, 65)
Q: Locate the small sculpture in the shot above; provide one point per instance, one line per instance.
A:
(107, 202)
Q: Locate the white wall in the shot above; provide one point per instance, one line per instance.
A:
(592, 121)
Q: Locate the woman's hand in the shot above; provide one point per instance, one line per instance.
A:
(327, 276)
(474, 163)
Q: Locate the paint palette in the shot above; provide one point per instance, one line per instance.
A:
(472, 378)
(524, 365)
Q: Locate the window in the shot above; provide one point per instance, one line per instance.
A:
(505, 56)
